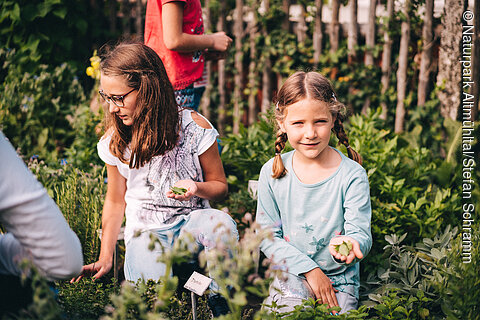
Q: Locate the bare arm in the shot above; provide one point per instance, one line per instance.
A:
(215, 185)
(175, 39)
(112, 218)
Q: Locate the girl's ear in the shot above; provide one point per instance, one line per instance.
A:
(281, 126)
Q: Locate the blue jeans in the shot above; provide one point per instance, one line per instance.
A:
(294, 289)
(203, 225)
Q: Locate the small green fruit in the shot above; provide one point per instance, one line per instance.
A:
(179, 191)
(344, 248)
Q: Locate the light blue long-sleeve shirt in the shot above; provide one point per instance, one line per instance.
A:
(305, 217)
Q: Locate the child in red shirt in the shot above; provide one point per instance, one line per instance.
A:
(174, 29)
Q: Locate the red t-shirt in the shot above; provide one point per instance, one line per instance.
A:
(183, 68)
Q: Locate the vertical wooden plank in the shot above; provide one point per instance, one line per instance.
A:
(318, 33)
(426, 60)
(237, 94)
(387, 56)
(402, 70)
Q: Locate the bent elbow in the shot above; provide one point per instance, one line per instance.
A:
(224, 194)
(171, 43)
(68, 265)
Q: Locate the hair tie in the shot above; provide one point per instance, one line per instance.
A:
(277, 108)
(348, 147)
(333, 96)
(277, 153)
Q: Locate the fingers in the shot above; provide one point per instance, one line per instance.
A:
(73, 280)
(99, 274)
(350, 257)
(332, 300)
(88, 269)
(184, 197)
(329, 298)
(222, 41)
(356, 250)
(188, 185)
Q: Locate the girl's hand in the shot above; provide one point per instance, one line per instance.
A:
(96, 270)
(354, 253)
(191, 187)
(322, 287)
(221, 41)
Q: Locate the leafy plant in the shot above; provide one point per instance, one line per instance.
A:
(80, 198)
(409, 271)
(34, 107)
(43, 304)
(244, 154)
(50, 31)
(79, 195)
(85, 299)
(236, 273)
(87, 126)
(457, 280)
(404, 194)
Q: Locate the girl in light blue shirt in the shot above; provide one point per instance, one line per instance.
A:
(313, 198)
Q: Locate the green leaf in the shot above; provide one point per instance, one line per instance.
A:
(178, 190)
(61, 13)
(42, 138)
(240, 298)
(344, 248)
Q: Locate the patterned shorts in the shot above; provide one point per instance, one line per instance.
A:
(189, 97)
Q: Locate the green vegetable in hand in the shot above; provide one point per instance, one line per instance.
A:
(178, 190)
(344, 248)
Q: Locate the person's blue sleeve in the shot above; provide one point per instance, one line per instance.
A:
(358, 211)
(268, 216)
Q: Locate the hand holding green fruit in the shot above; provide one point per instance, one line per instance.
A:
(179, 191)
(345, 249)
(182, 190)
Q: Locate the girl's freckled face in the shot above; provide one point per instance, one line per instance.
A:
(117, 86)
(308, 124)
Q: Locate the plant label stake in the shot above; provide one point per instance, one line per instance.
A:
(197, 284)
(252, 188)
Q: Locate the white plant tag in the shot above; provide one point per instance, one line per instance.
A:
(197, 283)
(252, 188)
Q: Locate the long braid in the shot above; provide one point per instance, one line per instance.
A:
(343, 139)
(278, 168)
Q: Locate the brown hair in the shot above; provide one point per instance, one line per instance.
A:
(313, 85)
(156, 118)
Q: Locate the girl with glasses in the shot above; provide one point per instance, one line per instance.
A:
(151, 146)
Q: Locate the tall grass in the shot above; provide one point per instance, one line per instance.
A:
(80, 196)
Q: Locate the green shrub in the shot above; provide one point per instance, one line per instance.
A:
(244, 154)
(404, 192)
(87, 125)
(458, 282)
(34, 108)
(85, 299)
(80, 196)
(431, 275)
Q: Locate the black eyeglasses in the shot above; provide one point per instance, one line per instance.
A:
(117, 100)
